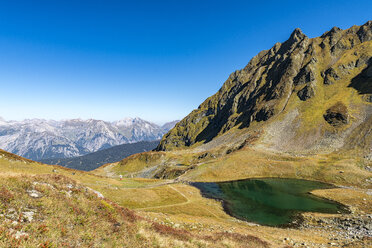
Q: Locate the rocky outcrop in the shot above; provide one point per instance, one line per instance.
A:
(263, 89)
(330, 76)
(306, 75)
(306, 93)
(337, 115)
(363, 81)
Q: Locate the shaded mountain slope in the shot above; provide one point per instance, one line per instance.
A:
(304, 95)
(94, 160)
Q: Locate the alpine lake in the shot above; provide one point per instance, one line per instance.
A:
(270, 201)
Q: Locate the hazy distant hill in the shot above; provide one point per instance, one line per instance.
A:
(94, 160)
(38, 139)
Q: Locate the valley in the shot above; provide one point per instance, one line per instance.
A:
(96, 159)
(180, 206)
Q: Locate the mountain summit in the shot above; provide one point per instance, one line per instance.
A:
(302, 95)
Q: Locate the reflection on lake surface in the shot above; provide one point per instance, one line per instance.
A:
(270, 201)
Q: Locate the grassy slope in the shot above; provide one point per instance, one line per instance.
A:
(68, 214)
(198, 222)
(171, 205)
(207, 215)
(248, 163)
(342, 169)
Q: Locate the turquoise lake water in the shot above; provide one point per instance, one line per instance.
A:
(270, 201)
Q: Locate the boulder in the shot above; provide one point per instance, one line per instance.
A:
(306, 93)
(337, 115)
(305, 75)
(330, 76)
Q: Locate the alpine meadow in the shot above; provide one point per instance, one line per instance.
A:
(279, 156)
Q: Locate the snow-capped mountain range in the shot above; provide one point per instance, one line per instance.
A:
(38, 139)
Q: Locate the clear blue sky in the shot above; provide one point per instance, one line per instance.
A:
(154, 59)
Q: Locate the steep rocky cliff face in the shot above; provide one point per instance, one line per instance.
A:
(304, 94)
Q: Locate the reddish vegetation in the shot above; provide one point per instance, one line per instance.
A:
(15, 157)
(169, 231)
(5, 195)
(42, 228)
(126, 213)
(248, 240)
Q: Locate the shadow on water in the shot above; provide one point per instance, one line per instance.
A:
(270, 201)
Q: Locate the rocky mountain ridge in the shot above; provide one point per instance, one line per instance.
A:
(302, 95)
(38, 139)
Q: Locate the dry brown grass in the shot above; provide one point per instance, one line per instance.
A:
(69, 215)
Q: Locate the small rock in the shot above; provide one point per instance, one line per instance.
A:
(34, 193)
(330, 76)
(20, 234)
(28, 216)
(99, 194)
(68, 193)
(12, 214)
(306, 93)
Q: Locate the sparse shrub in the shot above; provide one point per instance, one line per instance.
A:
(5, 195)
(46, 244)
(14, 243)
(42, 228)
(170, 231)
(83, 220)
(128, 214)
(86, 237)
(107, 205)
(247, 240)
(63, 231)
(138, 236)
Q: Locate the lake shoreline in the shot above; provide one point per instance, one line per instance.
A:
(296, 216)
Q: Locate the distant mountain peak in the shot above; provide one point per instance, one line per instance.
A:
(127, 121)
(40, 139)
(169, 125)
